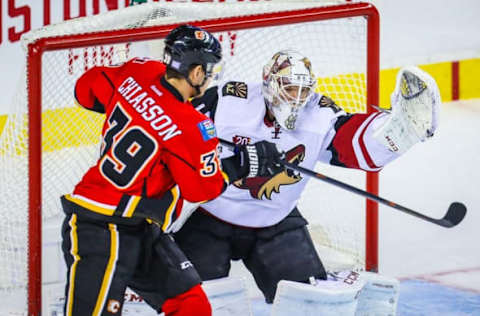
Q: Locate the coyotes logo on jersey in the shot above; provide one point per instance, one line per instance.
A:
(264, 186)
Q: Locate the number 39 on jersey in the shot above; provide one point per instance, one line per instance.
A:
(126, 150)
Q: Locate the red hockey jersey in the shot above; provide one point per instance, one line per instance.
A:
(151, 139)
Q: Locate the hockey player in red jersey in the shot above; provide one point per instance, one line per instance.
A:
(257, 219)
(158, 160)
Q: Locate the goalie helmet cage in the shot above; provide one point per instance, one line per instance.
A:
(292, 15)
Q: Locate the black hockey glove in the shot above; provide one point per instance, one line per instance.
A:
(261, 159)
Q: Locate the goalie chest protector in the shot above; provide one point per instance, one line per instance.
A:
(240, 118)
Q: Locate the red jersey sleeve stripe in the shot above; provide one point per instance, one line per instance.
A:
(365, 160)
(351, 150)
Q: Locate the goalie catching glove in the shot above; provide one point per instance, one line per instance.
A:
(415, 109)
(261, 159)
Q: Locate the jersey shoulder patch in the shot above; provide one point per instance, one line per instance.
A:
(235, 89)
(326, 102)
(207, 129)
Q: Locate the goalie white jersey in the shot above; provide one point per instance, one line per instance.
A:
(324, 133)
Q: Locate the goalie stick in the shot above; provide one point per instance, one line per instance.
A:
(455, 213)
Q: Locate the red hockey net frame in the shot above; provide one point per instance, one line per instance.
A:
(34, 75)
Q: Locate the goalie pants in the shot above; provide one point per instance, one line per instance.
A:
(284, 251)
(103, 257)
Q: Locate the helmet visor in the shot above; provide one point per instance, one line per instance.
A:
(215, 70)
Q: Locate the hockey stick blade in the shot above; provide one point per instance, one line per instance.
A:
(455, 214)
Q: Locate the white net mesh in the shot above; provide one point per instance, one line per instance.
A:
(70, 135)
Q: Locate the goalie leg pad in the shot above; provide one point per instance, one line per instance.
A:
(228, 296)
(336, 296)
(379, 295)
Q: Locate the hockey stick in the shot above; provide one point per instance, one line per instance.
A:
(455, 213)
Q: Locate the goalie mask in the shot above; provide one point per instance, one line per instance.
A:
(288, 84)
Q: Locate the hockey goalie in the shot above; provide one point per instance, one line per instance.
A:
(257, 220)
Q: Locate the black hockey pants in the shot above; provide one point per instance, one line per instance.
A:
(284, 251)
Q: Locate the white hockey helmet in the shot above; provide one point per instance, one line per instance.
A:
(288, 84)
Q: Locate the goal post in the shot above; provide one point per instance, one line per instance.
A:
(257, 23)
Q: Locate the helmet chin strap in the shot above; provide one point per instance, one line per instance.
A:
(198, 86)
